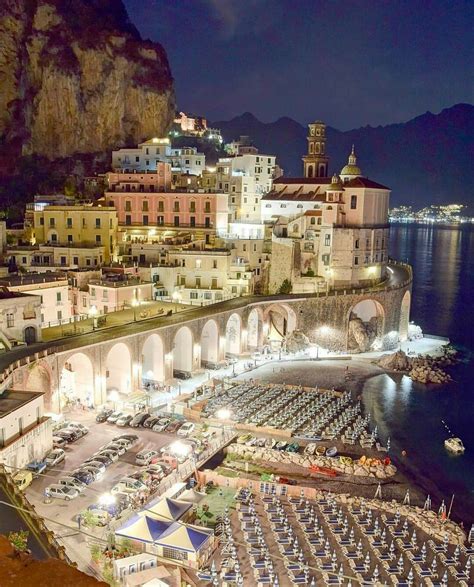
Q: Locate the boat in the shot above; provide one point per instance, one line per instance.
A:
(323, 471)
(321, 451)
(454, 445)
(310, 448)
(331, 451)
(261, 442)
(280, 445)
(244, 438)
(270, 443)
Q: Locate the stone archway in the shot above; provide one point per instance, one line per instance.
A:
(404, 316)
(183, 348)
(281, 320)
(29, 335)
(118, 365)
(255, 329)
(366, 326)
(76, 381)
(39, 379)
(210, 344)
(233, 335)
(153, 363)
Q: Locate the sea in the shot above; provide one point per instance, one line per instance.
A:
(410, 413)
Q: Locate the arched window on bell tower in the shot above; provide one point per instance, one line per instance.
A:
(318, 148)
(311, 148)
(310, 171)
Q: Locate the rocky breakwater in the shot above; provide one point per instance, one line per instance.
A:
(425, 369)
(77, 78)
(363, 467)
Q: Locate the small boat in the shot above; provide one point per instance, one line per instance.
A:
(321, 451)
(345, 460)
(270, 443)
(323, 471)
(261, 442)
(454, 445)
(280, 445)
(252, 441)
(331, 451)
(310, 448)
(244, 438)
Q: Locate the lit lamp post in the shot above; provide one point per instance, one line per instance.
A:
(135, 304)
(176, 298)
(114, 398)
(324, 331)
(93, 315)
(224, 414)
(179, 449)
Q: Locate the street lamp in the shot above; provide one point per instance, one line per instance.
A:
(114, 398)
(93, 315)
(135, 304)
(176, 298)
(107, 499)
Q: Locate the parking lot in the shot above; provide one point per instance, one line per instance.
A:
(66, 512)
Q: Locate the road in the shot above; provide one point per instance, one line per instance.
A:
(397, 275)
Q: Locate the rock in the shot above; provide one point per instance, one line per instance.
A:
(398, 361)
(296, 341)
(77, 78)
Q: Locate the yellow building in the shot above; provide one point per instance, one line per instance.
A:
(77, 226)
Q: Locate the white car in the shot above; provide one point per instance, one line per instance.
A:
(80, 427)
(72, 483)
(54, 457)
(186, 429)
(97, 464)
(122, 442)
(118, 448)
(61, 492)
(144, 457)
(128, 485)
(112, 454)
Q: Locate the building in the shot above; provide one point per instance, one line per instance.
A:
(330, 230)
(25, 432)
(45, 258)
(149, 154)
(189, 124)
(20, 318)
(51, 288)
(79, 226)
(158, 180)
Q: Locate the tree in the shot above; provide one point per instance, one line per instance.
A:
(19, 540)
(285, 287)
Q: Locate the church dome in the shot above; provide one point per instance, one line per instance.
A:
(336, 184)
(351, 169)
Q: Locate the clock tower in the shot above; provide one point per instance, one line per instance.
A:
(316, 162)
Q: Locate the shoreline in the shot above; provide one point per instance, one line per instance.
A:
(328, 374)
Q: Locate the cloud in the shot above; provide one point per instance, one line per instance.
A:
(236, 16)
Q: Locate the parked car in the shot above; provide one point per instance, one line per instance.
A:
(59, 442)
(22, 479)
(186, 429)
(68, 434)
(97, 464)
(150, 422)
(122, 442)
(83, 476)
(128, 485)
(131, 437)
(36, 467)
(93, 470)
(124, 420)
(144, 477)
(118, 448)
(161, 424)
(61, 492)
(138, 419)
(72, 483)
(101, 516)
(114, 416)
(144, 457)
(111, 454)
(173, 426)
(156, 471)
(103, 415)
(77, 426)
(54, 457)
(106, 461)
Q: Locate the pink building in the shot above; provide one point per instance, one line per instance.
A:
(141, 181)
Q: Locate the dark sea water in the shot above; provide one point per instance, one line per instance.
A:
(411, 413)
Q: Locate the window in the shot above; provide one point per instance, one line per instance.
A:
(10, 320)
(160, 220)
(353, 202)
(327, 240)
(244, 248)
(192, 221)
(98, 238)
(145, 206)
(198, 263)
(192, 206)
(97, 222)
(69, 238)
(161, 206)
(105, 295)
(357, 243)
(41, 221)
(367, 243)
(145, 220)
(207, 295)
(63, 260)
(128, 220)
(176, 220)
(198, 282)
(176, 206)
(137, 159)
(313, 220)
(75, 260)
(214, 264)
(245, 200)
(356, 260)
(92, 292)
(366, 261)
(51, 222)
(128, 206)
(60, 315)
(58, 296)
(207, 207)
(54, 238)
(193, 295)
(207, 222)
(69, 222)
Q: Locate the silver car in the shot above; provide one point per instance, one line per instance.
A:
(61, 492)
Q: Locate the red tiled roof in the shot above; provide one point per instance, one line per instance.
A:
(313, 213)
(364, 182)
(296, 196)
(303, 180)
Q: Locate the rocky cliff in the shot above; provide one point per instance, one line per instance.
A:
(75, 77)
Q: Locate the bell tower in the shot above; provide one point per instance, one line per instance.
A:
(316, 161)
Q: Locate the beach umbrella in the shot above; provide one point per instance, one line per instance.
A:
(434, 566)
(470, 538)
(413, 539)
(445, 542)
(456, 554)
(442, 509)
(383, 536)
(378, 492)
(388, 444)
(427, 505)
(406, 499)
(410, 577)
(423, 552)
(405, 526)
(359, 549)
(467, 568)
(444, 580)
(351, 536)
(400, 565)
(375, 576)
(367, 562)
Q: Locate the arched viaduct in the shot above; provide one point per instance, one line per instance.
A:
(121, 359)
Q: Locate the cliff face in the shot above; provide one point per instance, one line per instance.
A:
(75, 77)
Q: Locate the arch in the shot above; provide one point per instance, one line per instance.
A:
(366, 325)
(310, 171)
(40, 380)
(209, 343)
(322, 171)
(153, 368)
(254, 329)
(118, 365)
(30, 335)
(281, 319)
(76, 381)
(404, 316)
(233, 335)
(183, 350)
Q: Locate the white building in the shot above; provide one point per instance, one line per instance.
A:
(51, 288)
(25, 433)
(146, 156)
(20, 318)
(41, 258)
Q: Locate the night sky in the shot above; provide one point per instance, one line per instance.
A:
(350, 63)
